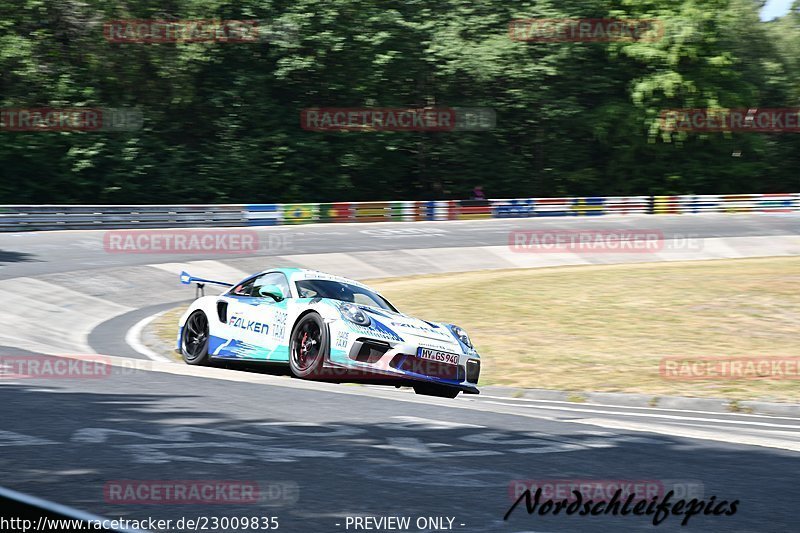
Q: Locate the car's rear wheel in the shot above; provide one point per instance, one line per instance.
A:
(308, 346)
(194, 339)
(440, 391)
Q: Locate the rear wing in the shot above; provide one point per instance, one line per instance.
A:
(188, 279)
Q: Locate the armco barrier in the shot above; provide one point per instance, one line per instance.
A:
(49, 217)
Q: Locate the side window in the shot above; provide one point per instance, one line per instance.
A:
(243, 289)
(273, 278)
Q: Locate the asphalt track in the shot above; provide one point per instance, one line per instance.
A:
(323, 452)
(40, 253)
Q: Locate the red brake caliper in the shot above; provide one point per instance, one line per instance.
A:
(304, 347)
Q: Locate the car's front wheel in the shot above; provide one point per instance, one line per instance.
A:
(440, 391)
(194, 339)
(308, 346)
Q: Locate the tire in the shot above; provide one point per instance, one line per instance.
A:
(194, 340)
(308, 346)
(440, 391)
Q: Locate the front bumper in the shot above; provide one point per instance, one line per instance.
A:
(399, 363)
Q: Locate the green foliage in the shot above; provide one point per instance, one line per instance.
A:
(222, 120)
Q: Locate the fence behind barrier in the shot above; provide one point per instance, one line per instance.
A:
(50, 217)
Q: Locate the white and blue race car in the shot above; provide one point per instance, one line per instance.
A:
(326, 327)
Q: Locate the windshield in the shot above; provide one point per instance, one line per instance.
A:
(345, 292)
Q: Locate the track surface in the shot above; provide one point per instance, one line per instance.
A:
(332, 451)
(38, 253)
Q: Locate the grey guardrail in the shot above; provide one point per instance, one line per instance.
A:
(49, 217)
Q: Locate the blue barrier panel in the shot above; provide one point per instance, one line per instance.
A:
(700, 205)
(513, 208)
(264, 214)
(430, 210)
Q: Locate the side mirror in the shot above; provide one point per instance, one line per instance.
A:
(271, 291)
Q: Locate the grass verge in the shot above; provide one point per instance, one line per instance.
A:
(163, 330)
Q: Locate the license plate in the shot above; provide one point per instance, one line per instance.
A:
(436, 355)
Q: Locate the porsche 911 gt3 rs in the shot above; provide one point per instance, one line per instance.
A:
(326, 327)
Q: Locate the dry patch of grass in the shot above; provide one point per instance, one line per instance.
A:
(164, 330)
(606, 328)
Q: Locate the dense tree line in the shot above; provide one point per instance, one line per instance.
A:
(222, 120)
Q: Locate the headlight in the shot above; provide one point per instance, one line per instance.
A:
(355, 315)
(462, 335)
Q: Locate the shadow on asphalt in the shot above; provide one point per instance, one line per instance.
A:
(319, 456)
(15, 257)
(333, 376)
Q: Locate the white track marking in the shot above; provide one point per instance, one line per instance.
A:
(573, 404)
(134, 339)
(680, 431)
(656, 415)
(767, 432)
